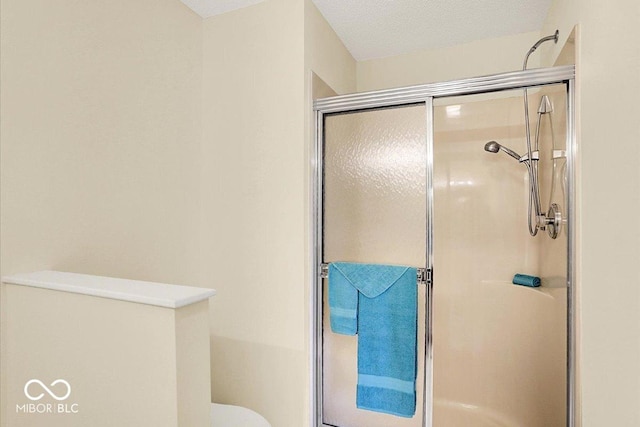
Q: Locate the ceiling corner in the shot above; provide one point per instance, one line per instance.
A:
(208, 8)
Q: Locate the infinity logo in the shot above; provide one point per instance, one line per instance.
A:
(52, 394)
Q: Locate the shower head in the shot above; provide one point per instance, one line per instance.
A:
(494, 147)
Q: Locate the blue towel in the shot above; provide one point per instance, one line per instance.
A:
(524, 280)
(379, 303)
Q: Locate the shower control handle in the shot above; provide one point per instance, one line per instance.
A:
(552, 221)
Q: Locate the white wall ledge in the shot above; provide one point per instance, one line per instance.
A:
(158, 294)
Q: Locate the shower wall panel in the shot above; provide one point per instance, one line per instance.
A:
(374, 212)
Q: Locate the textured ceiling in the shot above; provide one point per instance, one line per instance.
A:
(206, 8)
(379, 28)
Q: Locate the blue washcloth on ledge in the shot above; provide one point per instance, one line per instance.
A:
(379, 303)
(524, 280)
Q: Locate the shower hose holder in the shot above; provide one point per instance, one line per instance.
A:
(535, 156)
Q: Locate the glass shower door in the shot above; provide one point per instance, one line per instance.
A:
(374, 212)
(440, 183)
(499, 350)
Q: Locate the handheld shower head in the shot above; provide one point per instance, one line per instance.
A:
(494, 147)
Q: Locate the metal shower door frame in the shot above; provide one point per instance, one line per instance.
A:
(426, 94)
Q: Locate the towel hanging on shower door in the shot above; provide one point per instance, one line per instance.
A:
(379, 304)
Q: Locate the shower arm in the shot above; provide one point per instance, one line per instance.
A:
(553, 37)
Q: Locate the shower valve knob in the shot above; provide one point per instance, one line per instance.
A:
(554, 220)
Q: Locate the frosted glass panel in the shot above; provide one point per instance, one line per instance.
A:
(374, 212)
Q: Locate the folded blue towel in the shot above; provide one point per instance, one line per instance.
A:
(523, 279)
(379, 303)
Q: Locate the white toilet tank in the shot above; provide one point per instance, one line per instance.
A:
(235, 416)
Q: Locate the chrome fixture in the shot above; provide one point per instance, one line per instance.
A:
(545, 106)
(554, 219)
(423, 275)
(537, 219)
(553, 37)
(494, 147)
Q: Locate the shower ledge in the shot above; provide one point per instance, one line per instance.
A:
(157, 294)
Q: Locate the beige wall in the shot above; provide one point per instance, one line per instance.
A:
(450, 63)
(100, 138)
(325, 54)
(608, 61)
(253, 207)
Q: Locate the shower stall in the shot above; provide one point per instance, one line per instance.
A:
(409, 177)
